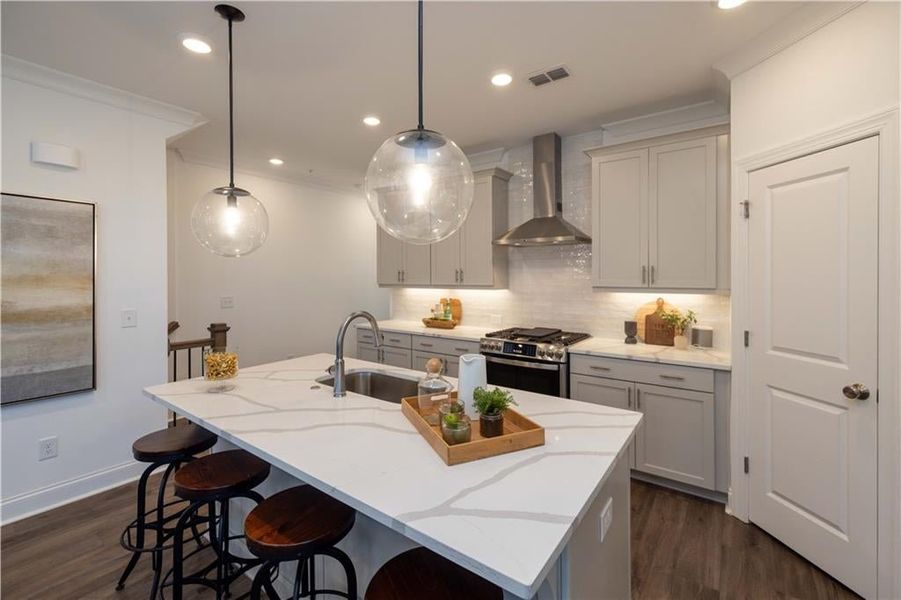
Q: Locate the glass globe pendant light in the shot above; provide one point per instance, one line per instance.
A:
(228, 220)
(419, 183)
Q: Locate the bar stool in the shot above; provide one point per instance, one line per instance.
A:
(169, 447)
(298, 524)
(420, 573)
(213, 481)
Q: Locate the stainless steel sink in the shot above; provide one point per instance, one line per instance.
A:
(375, 384)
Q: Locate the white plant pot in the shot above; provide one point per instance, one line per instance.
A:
(680, 342)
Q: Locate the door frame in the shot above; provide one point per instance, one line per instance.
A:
(885, 125)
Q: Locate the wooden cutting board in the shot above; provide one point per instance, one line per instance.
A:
(651, 328)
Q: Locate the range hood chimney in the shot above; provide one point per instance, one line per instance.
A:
(546, 227)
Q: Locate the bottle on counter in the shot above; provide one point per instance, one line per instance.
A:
(433, 390)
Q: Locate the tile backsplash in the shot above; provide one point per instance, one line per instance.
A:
(551, 286)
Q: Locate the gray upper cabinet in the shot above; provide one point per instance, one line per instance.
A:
(467, 258)
(660, 212)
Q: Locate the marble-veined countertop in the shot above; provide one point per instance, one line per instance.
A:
(612, 348)
(506, 518)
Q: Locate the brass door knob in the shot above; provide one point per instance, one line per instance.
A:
(856, 391)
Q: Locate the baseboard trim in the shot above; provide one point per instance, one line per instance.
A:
(680, 487)
(28, 504)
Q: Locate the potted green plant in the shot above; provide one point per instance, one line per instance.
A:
(679, 323)
(491, 405)
(456, 428)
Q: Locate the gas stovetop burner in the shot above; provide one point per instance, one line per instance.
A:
(541, 343)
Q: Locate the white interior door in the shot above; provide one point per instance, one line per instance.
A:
(813, 250)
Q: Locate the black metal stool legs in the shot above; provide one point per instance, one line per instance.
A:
(305, 578)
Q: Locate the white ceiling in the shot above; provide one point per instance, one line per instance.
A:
(307, 72)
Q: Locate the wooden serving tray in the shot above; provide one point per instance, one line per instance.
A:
(520, 433)
(440, 323)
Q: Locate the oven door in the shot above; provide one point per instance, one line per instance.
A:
(528, 375)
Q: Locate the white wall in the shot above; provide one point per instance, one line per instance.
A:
(292, 294)
(123, 171)
(551, 286)
(846, 71)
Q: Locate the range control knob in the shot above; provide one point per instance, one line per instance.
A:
(558, 353)
(541, 352)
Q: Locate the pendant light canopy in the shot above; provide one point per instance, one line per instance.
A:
(419, 183)
(228, 220)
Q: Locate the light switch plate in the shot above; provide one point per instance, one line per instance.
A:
(605, 519)
(226, 302)
(129, 317)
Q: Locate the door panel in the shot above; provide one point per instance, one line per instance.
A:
(390, 258)
(609, 392)
(417, 268)
(620, 232)
(397, 357)
(682, 214)
(813, 255)
(477, 251)
(367, 352)
(446, 260)
(676, 439)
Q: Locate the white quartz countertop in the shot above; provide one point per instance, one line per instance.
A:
(506, 518)
(460, 332)
(690, 357)
(612, 348)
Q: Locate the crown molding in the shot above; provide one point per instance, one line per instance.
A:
(699, 115)
(794, 28)
(286, 176)
(51, 79)
(487, 159)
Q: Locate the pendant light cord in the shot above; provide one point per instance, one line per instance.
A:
(420, 65)
(231, 111)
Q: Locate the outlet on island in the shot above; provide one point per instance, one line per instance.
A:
(48, 447)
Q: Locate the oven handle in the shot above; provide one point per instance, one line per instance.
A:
(522, 363)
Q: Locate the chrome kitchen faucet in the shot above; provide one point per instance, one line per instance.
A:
(339, 388)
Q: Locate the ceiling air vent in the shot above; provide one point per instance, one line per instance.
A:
(548, 76)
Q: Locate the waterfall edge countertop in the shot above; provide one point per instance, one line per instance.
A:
(506, 518)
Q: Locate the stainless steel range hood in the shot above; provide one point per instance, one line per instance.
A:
(547, 227)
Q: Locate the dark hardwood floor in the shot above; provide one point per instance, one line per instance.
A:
(682, 547)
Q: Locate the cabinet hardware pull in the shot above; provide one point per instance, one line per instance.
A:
(456, 275)
(403, 275)
(597, 368)
(629, 397)
(395, 340)
(644, 273)
(461, 349)
(638, 399)
(398, 275)
(673, 377)
(461, 275)
(652, 274)
(424, 345)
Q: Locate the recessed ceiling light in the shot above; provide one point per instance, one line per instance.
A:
(276, 161)
(501, 79)
(195, 44)
(372, 121)
(727, 4)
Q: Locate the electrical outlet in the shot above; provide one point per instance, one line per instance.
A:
(605, 519)
(129, 317)
(226, 301)
(48, 447)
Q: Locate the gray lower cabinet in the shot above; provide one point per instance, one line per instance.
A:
(609, 392)
(451, 363)
(676, 439)
(386, 355)
(368, 352)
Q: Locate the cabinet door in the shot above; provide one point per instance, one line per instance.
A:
(477, 250)
(619, 236)
(367, 352)
(446, 261)
(676, 439)
(609, 392)
(389, 258)
(451, 363)
(682, 214)
(452, 366)
(417, 269)
(397, 357)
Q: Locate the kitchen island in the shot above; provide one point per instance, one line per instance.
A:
(529, 521)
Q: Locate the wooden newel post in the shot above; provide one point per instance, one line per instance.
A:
(219, 335)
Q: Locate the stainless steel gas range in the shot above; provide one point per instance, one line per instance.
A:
(535, 360)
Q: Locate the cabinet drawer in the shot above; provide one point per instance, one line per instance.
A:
(689, 378)
(448, 346)
(389, 338)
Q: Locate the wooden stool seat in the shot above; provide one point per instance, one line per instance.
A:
(173, 443)
(220, 474)
(296, 522)
(420, 573)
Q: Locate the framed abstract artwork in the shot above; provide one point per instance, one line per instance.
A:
(47, 334)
